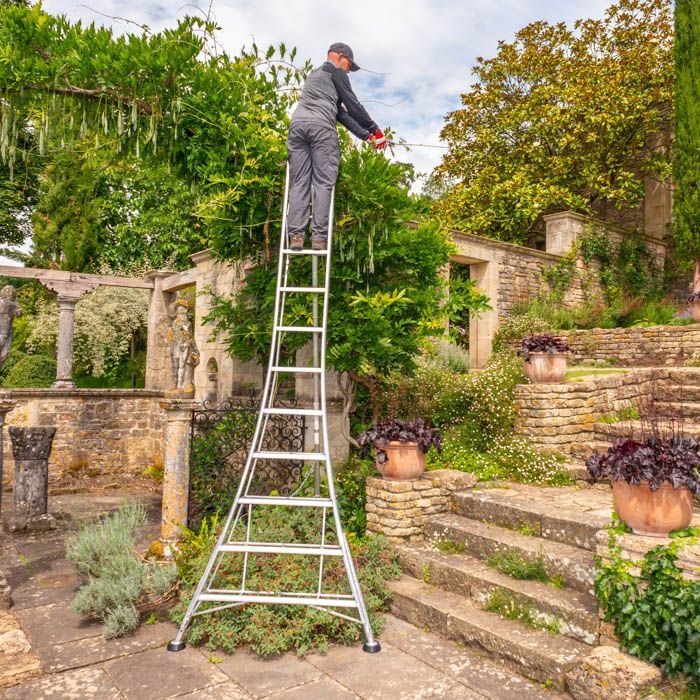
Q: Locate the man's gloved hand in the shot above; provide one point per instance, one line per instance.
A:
(378, 140)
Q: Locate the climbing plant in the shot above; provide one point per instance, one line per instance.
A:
(656, 612)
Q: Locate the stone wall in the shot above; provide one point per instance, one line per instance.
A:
(635, 347)
(398, 509)
(558, 416)
(102, 431)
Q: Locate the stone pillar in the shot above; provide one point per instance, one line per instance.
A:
(64, 355)
(158, 374)
(6, 405)
(483, 327)
(176, 476)
(563, 230)
(31, 448)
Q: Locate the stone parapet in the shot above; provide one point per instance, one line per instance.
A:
(560, 415)
(633, 347)
(398, 509)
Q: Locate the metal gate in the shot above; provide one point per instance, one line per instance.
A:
(220, 438)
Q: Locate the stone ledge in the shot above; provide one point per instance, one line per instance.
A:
(86, 393)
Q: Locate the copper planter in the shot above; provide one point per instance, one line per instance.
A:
(405, 461)
(695, 309)
(652, 513)
(545, 367)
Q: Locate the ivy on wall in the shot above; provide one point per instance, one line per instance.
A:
(656, 612)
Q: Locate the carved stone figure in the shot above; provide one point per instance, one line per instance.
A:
(9, 311)
(184, 355)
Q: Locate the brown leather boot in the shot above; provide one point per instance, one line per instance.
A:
(319, 245)
(296, 242)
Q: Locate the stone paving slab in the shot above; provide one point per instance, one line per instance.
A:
(323, 689)
(57, 623)
(83, 684)
(261, 677)
(223, 691)
(159, 674)
(390, 674)
(94, 650)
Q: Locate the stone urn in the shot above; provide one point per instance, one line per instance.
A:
(545, 367)
(652, 513)
(404, 461)
(31, 448)
(695, 309)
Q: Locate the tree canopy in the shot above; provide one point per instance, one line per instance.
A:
(561, 118)
(686, 171)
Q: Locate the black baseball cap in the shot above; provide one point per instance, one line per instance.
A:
(346, 51)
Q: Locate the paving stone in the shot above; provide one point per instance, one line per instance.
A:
(93, 650)
(465, 665)
(323, 689)
(389, 674)
(82, 684)
(158, 674)
(222, 691)
(49, 625)
(263, 676)
(34, 593)
(14, 642)
(17, 668)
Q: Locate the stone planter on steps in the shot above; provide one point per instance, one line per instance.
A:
(545, 367)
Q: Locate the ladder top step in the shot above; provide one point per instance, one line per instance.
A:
(285, 501)
(300, 329)
(328, 550)
(293, 456)
(319, 290)
(289, 251)
(298, 370)
(293, 411)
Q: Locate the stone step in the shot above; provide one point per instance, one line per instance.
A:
(685, 409)
(636, 429)
(574, 612)
(481, 540)
(535, 654)
(548, 513)
(584, 449)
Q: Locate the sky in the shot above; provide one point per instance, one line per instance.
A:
(424, 49)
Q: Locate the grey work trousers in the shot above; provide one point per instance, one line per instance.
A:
(314, 157)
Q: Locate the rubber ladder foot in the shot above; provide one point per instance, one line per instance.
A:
(371, 647)
(176, 646)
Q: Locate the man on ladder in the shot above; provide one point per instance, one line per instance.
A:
(314, 153)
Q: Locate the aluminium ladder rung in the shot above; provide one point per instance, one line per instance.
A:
(294, 456)
(293, 411)
(315, 290)
(327, 550)
(285, 501)
(297, 370)
(299, 329)
(289, 251)
(277, 600)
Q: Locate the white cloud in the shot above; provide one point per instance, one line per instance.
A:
(427, 47)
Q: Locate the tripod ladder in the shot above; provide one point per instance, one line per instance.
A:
(237, 535)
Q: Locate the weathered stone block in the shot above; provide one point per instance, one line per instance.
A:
(609, 674)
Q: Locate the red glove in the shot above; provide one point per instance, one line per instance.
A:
(378, 140)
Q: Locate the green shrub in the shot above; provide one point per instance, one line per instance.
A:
(117, 585)
(276, 629)
(31, 371)
(448, 356)
(513, 329)
(350, 482)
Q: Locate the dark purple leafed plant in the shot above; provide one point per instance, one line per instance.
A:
(542, 343)
(673, 460)
(400, 431)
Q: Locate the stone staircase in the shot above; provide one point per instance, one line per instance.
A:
(448, 593)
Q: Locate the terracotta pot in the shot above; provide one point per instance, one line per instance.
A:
(545, 367)
(653, 513)
(405, 461)
(695, 309)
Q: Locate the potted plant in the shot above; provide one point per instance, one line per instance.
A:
(401, 446)
(653, 481)
(694, 304)
(545, 358)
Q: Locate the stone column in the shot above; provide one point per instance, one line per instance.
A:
(64, 356)
(157, 348)
(6, 405)
(176, 476)
(563, 230)
(31, 448)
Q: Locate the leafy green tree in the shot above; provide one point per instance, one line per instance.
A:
(561, 118)
(686, 171)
